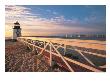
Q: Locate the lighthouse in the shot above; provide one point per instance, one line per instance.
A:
(16, 30)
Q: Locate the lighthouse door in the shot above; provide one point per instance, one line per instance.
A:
(17, 32)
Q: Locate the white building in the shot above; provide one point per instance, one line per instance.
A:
(16, 31)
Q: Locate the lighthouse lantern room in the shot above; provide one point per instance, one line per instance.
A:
(16, 30)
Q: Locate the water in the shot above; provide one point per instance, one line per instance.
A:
(63, 37)
(82, 38)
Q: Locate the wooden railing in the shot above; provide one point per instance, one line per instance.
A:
(91, 53)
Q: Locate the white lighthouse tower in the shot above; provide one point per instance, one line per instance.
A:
(16, 30)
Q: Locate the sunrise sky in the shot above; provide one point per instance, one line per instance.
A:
(46, 20)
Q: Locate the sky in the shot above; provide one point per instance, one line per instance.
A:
(49, 20)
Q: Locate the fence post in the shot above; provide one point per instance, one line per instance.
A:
(64, 49)
(50, 55)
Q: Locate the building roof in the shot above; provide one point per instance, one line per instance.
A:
(16, 23)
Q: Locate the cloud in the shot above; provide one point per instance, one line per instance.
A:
(90, 18)
(27, 18)
(34, 23)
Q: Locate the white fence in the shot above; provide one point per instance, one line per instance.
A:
(87, 54)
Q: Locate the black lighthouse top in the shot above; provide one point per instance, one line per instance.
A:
(16, 25)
